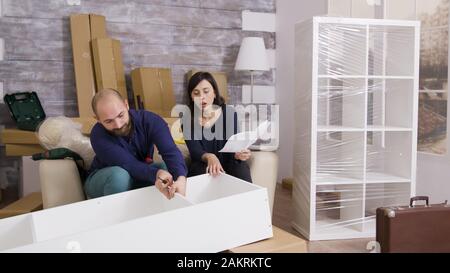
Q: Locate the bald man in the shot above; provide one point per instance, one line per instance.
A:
(123, 142)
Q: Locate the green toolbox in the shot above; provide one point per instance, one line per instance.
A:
(26, 110)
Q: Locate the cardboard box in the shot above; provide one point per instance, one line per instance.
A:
(103, 56)
(218, 213)
(97, 26)
(109, 72)
(23, 149)
(31, 202)
(281, 242)
(120, 72)
(87, 124)
(84, 28)
(153, 90)
(17, 136)
(83, 66)
(221, 80)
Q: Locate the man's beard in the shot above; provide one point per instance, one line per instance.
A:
(123, 131)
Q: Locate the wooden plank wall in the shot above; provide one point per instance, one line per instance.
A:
(180, 34)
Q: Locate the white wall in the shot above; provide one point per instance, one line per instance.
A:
(288, 13)
(357, 8)
(433, 177)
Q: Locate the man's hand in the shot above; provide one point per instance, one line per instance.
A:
(178, 186)
(214, 167)
(243, 155)
(164, 181)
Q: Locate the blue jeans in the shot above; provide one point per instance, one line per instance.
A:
(111, 180)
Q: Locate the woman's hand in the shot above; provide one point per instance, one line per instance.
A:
(214, 167)
(243, 155)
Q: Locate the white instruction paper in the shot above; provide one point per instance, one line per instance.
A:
(242, 141)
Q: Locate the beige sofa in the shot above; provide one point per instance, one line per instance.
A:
(61, 184)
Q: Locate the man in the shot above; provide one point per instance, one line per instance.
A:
(123, 142)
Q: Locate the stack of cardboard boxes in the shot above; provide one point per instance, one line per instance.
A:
(98, 65)
(97, 60)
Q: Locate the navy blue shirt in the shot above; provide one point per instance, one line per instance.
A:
(198, 144)
(135, 152)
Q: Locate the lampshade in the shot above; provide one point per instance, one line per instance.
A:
(252, 55)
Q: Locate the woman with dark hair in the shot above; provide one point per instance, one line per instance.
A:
(212, 123)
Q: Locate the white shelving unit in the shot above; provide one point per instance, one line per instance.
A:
(356, 123)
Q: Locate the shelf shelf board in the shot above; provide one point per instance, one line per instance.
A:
(334, 180)
(324, 128)
(371, 177)
(329, 76)
(370, 128)
(376, 177)
(336, 228)
(382, 128)
(390, 77)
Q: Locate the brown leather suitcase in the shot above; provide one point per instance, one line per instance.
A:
(412, 228)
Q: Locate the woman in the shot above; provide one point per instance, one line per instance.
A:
(210, 120)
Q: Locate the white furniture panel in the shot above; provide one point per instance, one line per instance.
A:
(30, 182)
(217, 214)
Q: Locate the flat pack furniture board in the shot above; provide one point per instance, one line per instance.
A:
(84, 28)
(153, 90)
(218, 213)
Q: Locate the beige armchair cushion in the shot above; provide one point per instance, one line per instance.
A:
(60, 183)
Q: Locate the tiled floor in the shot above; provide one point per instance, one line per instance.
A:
(282, 217)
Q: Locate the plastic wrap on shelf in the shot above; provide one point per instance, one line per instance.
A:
(338, 207)
(355, 123)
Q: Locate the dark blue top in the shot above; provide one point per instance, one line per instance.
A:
(198, 144)
(134, 153)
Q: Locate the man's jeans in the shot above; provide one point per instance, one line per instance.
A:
(112, 180)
